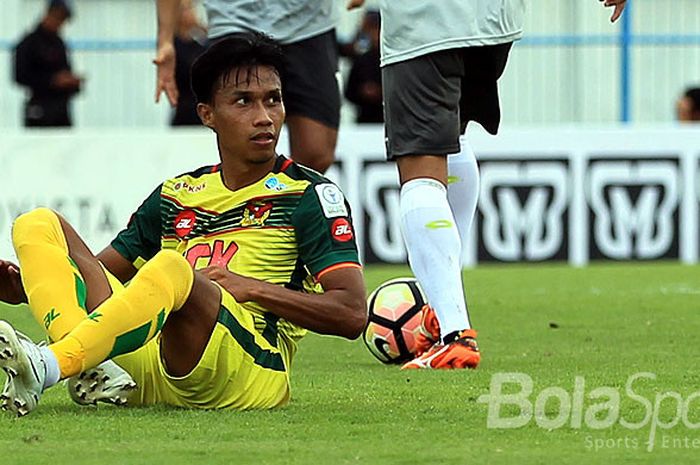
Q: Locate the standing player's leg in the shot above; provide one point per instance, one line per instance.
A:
(463, 188)
(422, 121)
(483, 67)
(312, 99)
(311, 143)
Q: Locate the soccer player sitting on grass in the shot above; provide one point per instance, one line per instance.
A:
(272, 243)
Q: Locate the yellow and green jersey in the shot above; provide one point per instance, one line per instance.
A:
(288, 229)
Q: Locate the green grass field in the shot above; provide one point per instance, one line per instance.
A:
(553, 323)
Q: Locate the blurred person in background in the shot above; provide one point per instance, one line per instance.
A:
(189, 41)
(688, 106)
(364, 86)
(41, 65)
(306, 30)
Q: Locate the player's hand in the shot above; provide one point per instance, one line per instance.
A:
(619, 8)
(239, 286)
(165, 80)
(352, 4)
(11, 290)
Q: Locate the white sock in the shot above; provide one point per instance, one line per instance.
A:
(463, 188)
(53, 371)
(433, 245)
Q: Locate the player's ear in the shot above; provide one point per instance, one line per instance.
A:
(206, 114)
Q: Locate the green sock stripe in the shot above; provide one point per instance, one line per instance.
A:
(129, 342)
(270, 330)
(81, 292)
(262, 357)
(161, 321)
(80, 288)
(74, 265)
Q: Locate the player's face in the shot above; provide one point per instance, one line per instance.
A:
(247, 113)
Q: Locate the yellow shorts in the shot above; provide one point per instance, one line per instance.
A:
(245, 365)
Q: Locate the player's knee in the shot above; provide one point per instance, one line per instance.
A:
(40, 221)
(173, 268)
(169, 260)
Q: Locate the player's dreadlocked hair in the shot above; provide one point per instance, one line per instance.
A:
(241, 51)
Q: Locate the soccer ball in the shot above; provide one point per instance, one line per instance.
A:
(394, 320)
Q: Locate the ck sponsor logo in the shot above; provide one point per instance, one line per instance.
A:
(332, 200)
(218, 253)
(184, 223)
(341, 230)
(633, 208)
(524, 209)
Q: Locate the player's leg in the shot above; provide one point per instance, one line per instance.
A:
(61, 277)
(463, 188)
(130, 317)
(187, 331)
(422, 123)
(483, 67)
(312, 99)
(311, 143)
(63, 281)
(121, 324)
(185, 334)
(241, 363)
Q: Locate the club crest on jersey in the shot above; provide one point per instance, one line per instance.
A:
(341, 230)
(184, 223)
(255, 213)
(275, 184)
(332, 200)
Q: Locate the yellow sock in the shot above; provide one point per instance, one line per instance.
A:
(130, 317)
(54, 287)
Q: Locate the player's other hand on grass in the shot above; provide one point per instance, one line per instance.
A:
(239, 286)
(11, 290)
(619, 8)
(165, 79)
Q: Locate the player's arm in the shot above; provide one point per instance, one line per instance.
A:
(137, 243)
(168, 12)
(339, 311)
(327, 248)
(117, 264)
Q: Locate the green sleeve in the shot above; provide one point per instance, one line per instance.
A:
(325, 235)
(140, 241)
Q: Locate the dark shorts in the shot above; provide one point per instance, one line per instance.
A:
(309, 83)
(429, 100)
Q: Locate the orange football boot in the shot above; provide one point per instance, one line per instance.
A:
(463, 352)
(429, 332)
